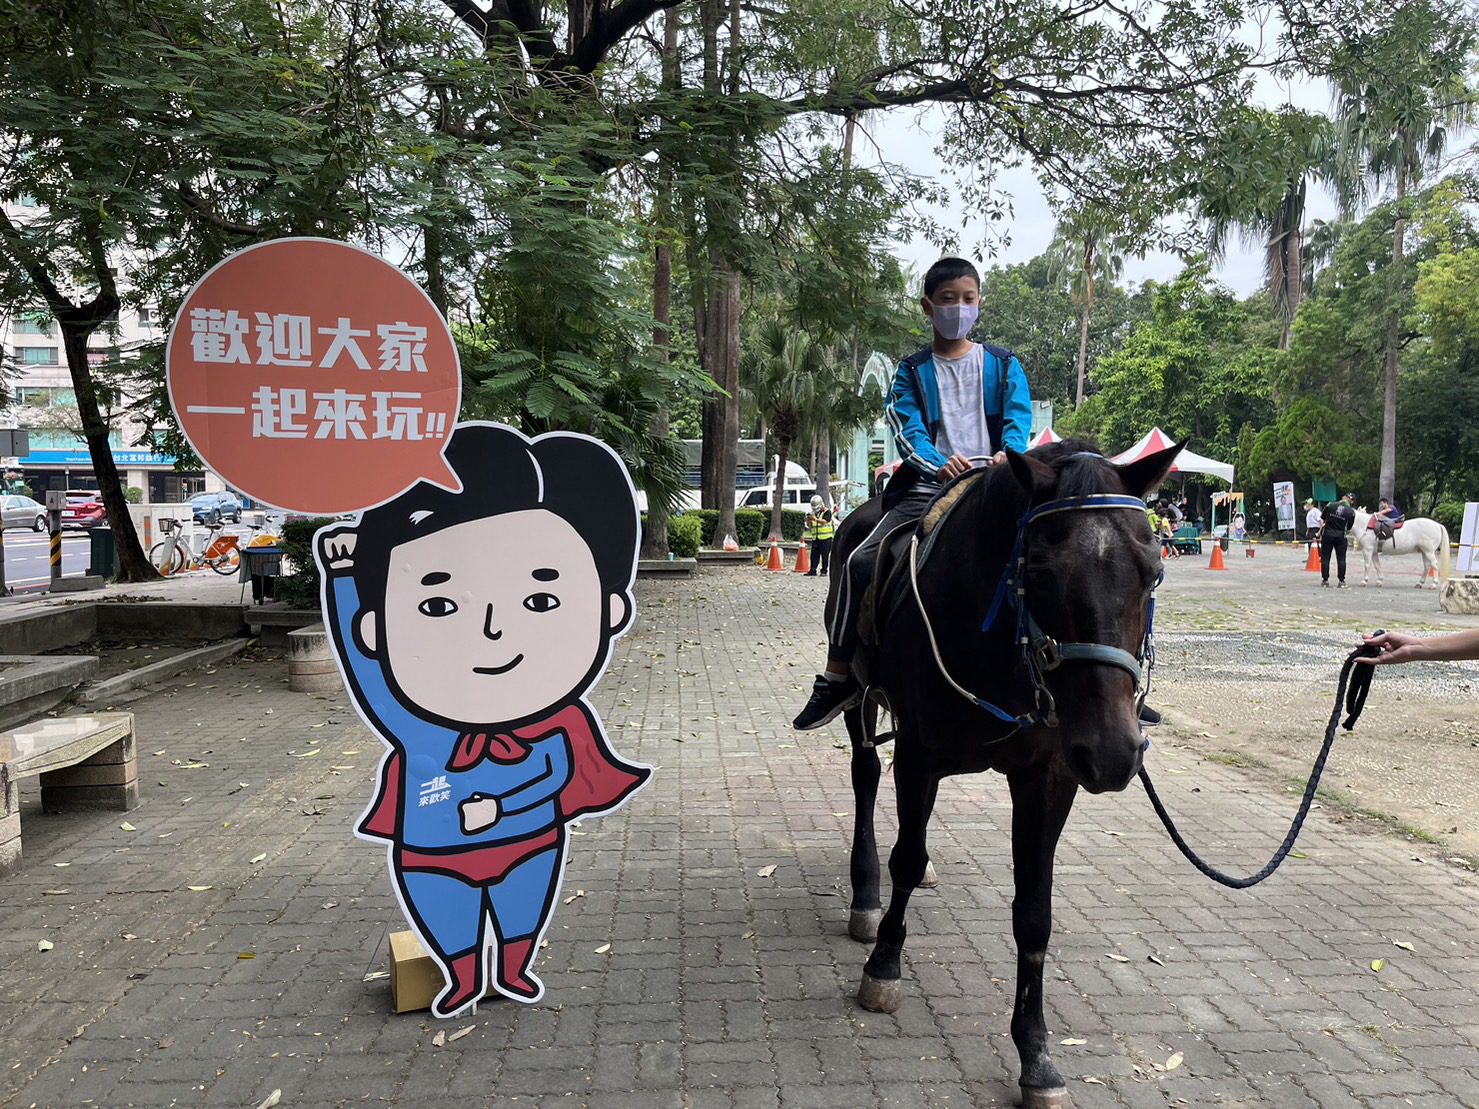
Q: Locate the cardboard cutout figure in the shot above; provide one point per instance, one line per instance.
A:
(469, 626)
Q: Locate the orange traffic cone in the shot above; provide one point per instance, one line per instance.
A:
(1313, 563)
(1216, 563)
(776, 561)
(803, 559)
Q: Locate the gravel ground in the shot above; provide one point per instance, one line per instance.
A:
(1248, 663)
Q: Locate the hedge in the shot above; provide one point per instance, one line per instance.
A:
(752, 524)
(685, 533)
(300, 588)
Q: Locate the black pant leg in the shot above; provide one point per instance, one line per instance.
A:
(1340, 549)
(1327, 547)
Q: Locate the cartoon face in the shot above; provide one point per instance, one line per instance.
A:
(493, 620)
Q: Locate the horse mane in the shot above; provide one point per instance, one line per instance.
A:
(1082, 470)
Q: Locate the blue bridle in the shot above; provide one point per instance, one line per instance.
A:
(1040, 653)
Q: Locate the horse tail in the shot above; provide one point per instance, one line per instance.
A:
(1444, 560)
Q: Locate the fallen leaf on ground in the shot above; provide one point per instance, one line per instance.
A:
(1156, 959)
(127, 827)
(61, 864)
(348, 752)
(305, 754)
(603, 949)
(1298, 855)
(1404, 945)
(1175, 1061)
(275, 1097)
(766, 871)
(197, 889)
(1073, 1041)
(376, 975)
(44, 945)
(329, 905)
(167, 1042)
(460, 1033)
(1092, 1081)
(258, 858)
(573, 896)
(1377, 964)
(439, 1039)
(246, 954)
(1117, 958)
(55, 893)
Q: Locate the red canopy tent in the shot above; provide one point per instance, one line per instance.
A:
(1046, 435)
(1187, 462)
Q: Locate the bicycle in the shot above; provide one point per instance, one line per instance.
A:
(173, 554)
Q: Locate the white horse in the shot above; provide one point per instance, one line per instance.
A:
(1417, 534)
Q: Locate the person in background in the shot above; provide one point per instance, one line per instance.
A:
(821, 526)
(1311, 521)
(1336, 521)
(1398, 647)
(1387, 517)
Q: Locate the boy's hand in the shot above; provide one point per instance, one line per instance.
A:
(955, 465)
(479, 813)
(336, 550)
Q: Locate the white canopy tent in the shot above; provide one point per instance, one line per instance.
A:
(1187, 462)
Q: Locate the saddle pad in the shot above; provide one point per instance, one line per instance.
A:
(947, 499)
(893, 557)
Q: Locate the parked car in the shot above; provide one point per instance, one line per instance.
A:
(84, 510)
(208, 508)
(22, 512)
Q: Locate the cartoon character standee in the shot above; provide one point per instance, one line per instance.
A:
(469, 626)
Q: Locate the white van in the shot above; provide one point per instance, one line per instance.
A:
(796, 495)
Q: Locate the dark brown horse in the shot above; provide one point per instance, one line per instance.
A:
(1018, 647)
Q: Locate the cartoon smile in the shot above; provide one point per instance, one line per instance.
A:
(504, 669)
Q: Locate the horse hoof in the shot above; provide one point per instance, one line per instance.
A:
(862, 924)
(881, 995)
(1046, 1097)
(930, 879)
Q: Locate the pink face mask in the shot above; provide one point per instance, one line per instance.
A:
(954, 321)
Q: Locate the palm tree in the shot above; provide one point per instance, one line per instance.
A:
(1087, 249)
(839, 410)
(1399, 92)
(786, 369)
(1257, 184)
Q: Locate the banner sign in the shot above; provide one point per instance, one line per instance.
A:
(1284, 504)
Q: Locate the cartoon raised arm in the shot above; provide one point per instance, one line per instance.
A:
(336, 555)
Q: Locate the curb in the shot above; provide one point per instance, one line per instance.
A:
(159, 671)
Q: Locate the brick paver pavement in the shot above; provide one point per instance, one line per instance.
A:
(721, 987)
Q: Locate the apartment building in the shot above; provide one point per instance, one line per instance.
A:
(44, 404)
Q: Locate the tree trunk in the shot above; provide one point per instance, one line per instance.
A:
(1083, 327)
(655, 541)
(1387, 482)
(823, 471)
(724, 349)
(778, 496)
(133, 563)
(1294, 267)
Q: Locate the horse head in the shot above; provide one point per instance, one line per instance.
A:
(1089, 565)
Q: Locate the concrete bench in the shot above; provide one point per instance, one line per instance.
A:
(87, 762)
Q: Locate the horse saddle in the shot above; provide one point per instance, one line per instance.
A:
(889, 584)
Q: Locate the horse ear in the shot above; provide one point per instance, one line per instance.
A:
(1034, 476)
(1145, 474)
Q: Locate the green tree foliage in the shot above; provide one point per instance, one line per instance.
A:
(1199, 368)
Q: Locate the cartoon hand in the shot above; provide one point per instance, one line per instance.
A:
(479, 812)
(336, 550)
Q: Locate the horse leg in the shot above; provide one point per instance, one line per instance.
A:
(1040, 804)
(867, 906)
(881, 991)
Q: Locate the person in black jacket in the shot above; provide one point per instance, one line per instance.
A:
(1336, 522)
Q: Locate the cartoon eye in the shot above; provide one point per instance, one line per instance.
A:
(541, 602)
(437, 606)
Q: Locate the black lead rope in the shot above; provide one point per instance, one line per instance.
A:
(1350, 694)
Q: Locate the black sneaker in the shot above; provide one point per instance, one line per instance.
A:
(1149, 715)
(827, 700)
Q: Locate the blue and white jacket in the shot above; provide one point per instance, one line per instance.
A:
(914, 406)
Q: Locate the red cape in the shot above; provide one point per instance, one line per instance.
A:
(600, 780)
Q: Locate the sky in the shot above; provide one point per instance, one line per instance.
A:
(909, 138)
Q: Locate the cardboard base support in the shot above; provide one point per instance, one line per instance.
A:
(415, 978)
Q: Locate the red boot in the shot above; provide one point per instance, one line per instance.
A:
(514, 958)
(467, 984)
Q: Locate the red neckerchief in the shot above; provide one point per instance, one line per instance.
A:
(473, 747)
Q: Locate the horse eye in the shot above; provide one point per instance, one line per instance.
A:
(437, 606)
(541, 602)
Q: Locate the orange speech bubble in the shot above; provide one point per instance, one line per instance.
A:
(314, 376)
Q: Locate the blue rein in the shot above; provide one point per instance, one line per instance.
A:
(1040, 653)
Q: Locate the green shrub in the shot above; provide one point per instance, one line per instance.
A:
(793, 525)
(1451, 515)
(752, 524)
(299, 587)
(133, 495)
(685, 533)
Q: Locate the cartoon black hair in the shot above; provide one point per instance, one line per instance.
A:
(502, 471)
